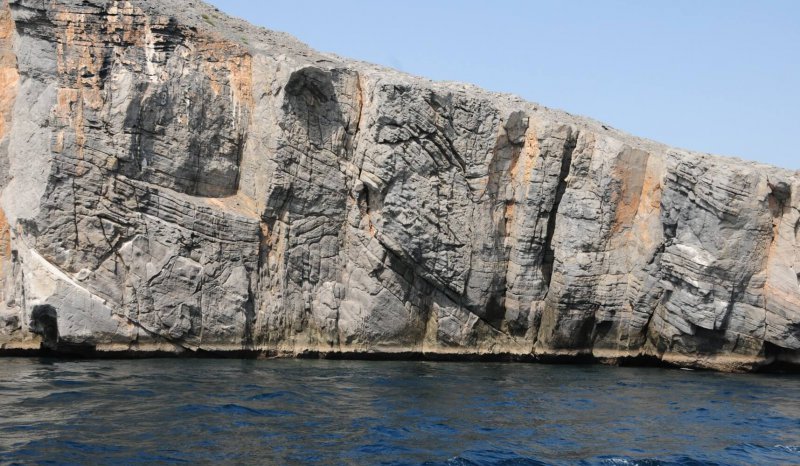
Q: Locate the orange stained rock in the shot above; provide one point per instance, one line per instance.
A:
(223, 61)
(778, 296)
(637, 220)
(529, 153)
(649, 206)
(779, 287)
(238, 203)
(9, 78)
(630, 172)
(523, 161)
(69, 108)
(82, 52)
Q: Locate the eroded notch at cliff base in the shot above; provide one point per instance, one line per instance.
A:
(44, 322)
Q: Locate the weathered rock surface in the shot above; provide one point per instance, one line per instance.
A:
(176, 180)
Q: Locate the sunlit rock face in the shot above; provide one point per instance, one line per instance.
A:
(175, 180)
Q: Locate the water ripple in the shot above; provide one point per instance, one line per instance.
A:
(398, 413)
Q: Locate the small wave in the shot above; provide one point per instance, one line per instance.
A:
(628, 461)
(68, 383)
(382, 449)
(493, 458)
(139, 393)
(234, 409)
(774, 453)
(465, 461)
(787, 448)
(268, 395)
(392, 432)
(59, 397)
(157, 458)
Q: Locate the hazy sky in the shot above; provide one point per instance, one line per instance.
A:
(720, 76)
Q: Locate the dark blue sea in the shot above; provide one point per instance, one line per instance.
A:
(206, 411)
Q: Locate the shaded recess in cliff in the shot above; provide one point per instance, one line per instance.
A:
(44, 322)
(549, 253)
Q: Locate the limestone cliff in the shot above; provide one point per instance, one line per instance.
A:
(176, 180)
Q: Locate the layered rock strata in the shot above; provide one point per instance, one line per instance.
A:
(174, 180)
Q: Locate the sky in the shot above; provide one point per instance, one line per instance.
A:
(718, 76)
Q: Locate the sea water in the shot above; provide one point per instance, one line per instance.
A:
(371, 412)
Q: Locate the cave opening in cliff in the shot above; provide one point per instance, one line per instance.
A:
(44, 322)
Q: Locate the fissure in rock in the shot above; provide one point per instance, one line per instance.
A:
(566, 164)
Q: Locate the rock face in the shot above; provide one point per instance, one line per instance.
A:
(176, 180)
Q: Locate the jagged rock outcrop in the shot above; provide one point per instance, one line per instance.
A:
(176, 180)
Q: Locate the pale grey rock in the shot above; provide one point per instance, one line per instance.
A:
(177, 180)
